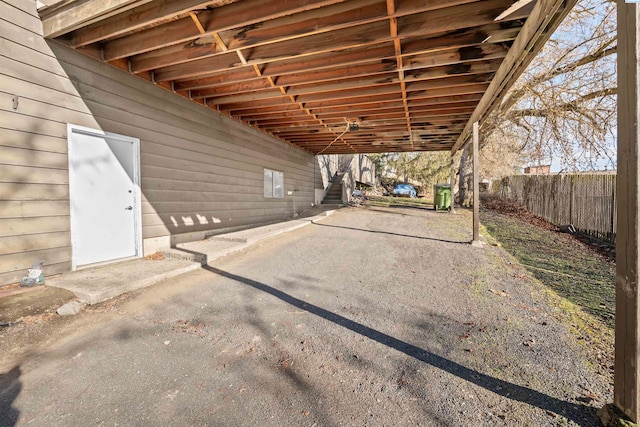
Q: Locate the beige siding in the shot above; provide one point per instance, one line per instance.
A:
(200, 171)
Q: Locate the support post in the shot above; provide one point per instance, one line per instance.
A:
(627, 343)
(452, 183)
(476, 187)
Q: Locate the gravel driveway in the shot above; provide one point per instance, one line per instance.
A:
(373, 316)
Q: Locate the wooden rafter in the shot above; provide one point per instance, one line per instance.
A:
(240, 22)
(469, 42)
(411, 73)
(313, 42)
(393, 27)
(63, 17)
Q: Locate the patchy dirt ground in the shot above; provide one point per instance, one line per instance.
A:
(28, 304)
(558, 260)
(375, 316)
(512, 208)
(515, 210)
(581, 278)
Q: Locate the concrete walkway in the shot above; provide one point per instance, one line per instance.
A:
(98, 284)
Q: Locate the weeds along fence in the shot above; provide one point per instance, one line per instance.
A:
(588, 202)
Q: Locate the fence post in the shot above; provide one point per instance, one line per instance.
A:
(571, 199)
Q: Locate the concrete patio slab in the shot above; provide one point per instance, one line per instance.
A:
(215, 247)
(95, 285)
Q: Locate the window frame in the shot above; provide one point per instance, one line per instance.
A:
(276, 180)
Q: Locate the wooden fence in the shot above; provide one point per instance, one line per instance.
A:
(588, 202)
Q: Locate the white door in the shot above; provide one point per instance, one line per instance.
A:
(104, 194)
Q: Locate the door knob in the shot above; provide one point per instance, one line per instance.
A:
(130, 208)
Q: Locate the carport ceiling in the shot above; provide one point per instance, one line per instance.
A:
(410, 75)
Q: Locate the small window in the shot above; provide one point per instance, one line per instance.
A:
(273, 184)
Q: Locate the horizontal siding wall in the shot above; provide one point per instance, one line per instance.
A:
(200, 171)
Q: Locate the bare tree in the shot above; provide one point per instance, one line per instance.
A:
(563, 107)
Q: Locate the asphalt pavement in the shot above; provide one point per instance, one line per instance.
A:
(373, 316)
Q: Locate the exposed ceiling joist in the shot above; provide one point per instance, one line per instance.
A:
(66, 16)
(411, 74)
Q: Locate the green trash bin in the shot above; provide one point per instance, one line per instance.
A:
(442, 196)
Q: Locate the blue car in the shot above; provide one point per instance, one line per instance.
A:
(404, 190)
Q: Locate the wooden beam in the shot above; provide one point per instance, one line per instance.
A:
(349, 107)
(458, 55)
(397, 44)
(196, 21)
(417, 111)
(385, 50)
(241, 57)
(397, 132)
(369, 35)
(240, 74)
(262, 103)
(386, 130)
(300, 68)
(314, 42)
(341, 110)
(279, 50)
(370, 136)
(291, 20)
(335, 17)
(456, 85)
(225, 61)
(418, 47)
(437, 86)
(627, 332)
(273, 111)
(421, 93)
(303, 114)
(439, 64)
(135, 19)
(284, 66)
(60, 19)
(268, 105)
(419, 97)
(328, 19)
(367, 134)
(476, 186)
(417, 80)
(247, 87)
(445, 100)
(544, 19)
(234, 15)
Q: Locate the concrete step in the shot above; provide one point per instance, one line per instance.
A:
(333, 196)
(94, 285)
